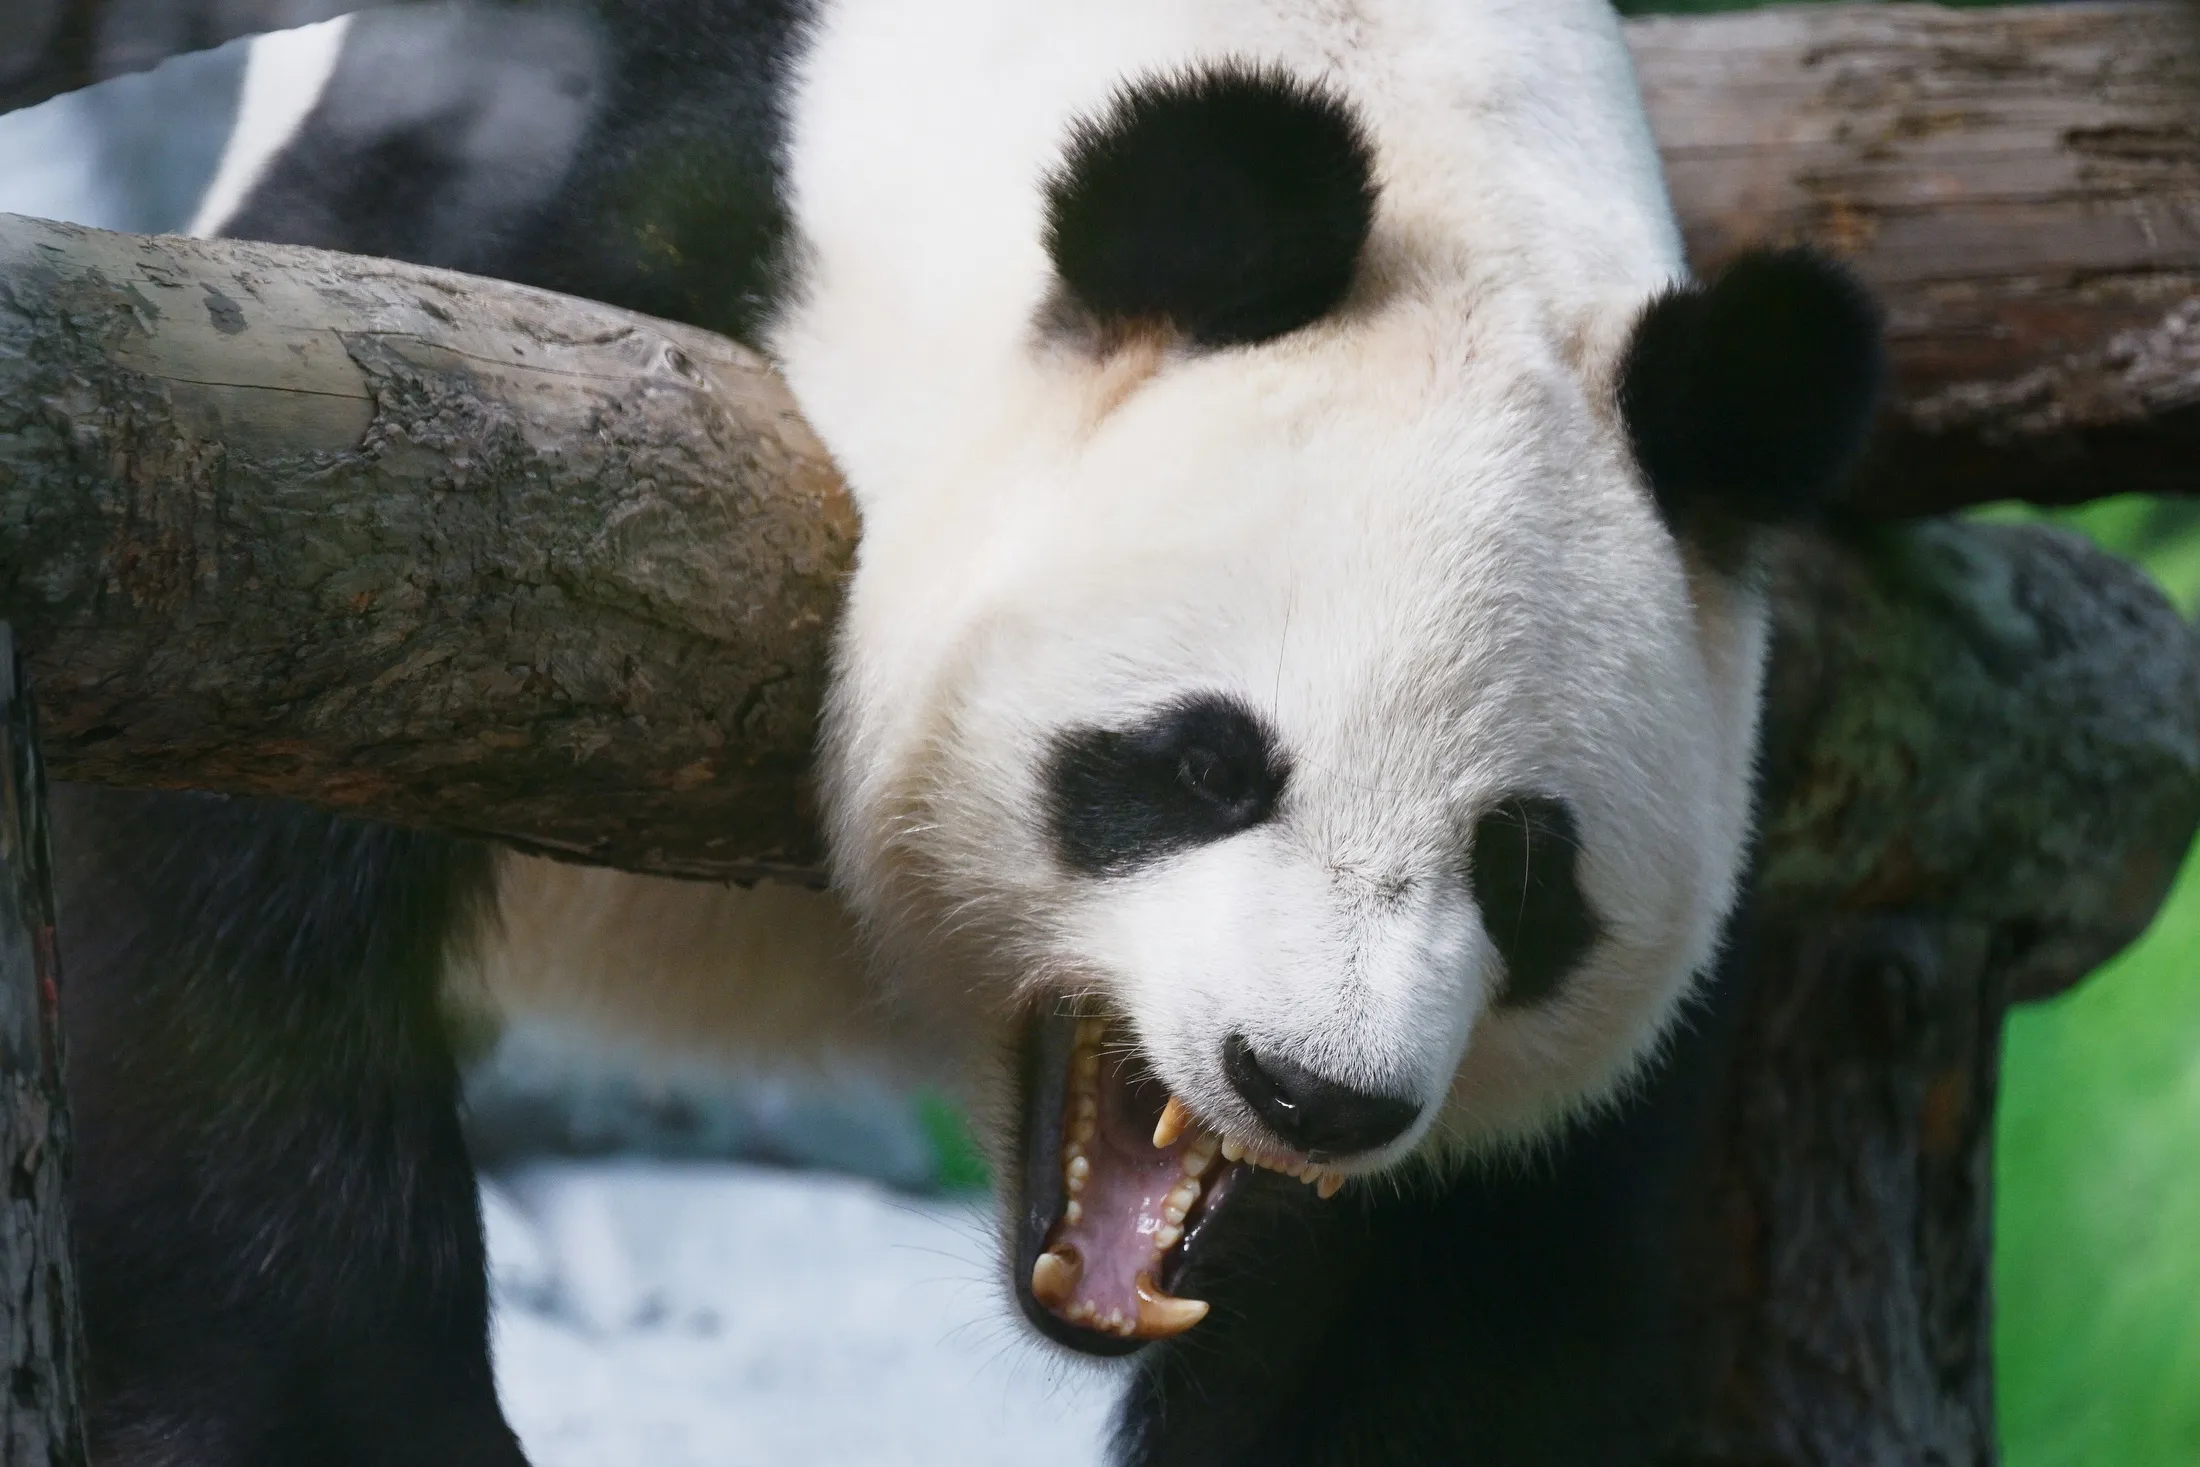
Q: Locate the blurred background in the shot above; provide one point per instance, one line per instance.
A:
(695, 1267)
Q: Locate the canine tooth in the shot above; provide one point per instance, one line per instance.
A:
(1161, 1315)
(1232, 1149)
(1175, 1116)
(1330, 1185)
(1074, 1213)
(1168, 1237)
(1055, 1276)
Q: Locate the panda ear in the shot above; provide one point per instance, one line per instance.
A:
(1228, 203)
(1748, 400)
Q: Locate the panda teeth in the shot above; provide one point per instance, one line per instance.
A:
(1054, 1278)
(1058, 1274)
(1175, 1116)
(1327, 1182)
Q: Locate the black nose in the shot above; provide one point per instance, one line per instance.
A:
(1312, 1114)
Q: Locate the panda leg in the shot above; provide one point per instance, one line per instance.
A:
(277, 1231)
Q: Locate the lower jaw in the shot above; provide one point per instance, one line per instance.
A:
(1104, 1245)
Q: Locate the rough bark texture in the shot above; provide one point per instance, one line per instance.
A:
(413, 546)
(454, 553)
(1982, 770)
(1836, 1234)
(1996, 724)
(2020, 187)
(41, 1410)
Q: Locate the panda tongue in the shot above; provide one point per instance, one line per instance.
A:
(1128, 1200)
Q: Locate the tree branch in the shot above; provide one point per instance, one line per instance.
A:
(2020, 187)
(449, 552)
(413, 546)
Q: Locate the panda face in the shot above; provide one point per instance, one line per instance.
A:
(1301, 675)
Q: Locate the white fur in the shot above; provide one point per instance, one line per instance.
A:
(1410, 535)
(283, 77)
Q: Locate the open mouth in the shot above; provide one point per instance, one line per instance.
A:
(1122, 1187)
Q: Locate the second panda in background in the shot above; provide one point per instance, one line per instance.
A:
(1298, 697)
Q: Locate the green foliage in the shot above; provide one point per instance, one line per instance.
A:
(2097, 1259)
(957, 1163)
(2097, 1253)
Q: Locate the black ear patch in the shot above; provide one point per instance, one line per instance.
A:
(1750, 398)
(1532, 905)
(1229, 203)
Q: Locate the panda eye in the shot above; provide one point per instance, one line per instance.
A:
(1199, 771)
(1203, 772)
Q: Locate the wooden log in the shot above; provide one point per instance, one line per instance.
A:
(2020, 185)
(414, 547)
(448, 552)
(2021, 189)
(41, 1338)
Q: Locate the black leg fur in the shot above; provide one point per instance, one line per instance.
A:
(276, 1219)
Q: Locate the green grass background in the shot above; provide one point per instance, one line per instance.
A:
(2097, 1250)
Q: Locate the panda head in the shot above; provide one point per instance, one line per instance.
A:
(1321, 722)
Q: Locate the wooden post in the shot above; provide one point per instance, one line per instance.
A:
(41, 1409)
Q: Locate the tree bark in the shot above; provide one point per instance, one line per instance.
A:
(449, 552)
(41, 1411)
(414, 547)
(2021, 189)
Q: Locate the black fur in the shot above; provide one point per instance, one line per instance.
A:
(627, 151)
(1525, 851)
(1748, 400)
(277, 1221)
(277, 1230)
(1200, 771)
(1310, 1112)
(1229, 204)
(1532, 1315)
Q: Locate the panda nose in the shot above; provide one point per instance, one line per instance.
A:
(1312, 1114)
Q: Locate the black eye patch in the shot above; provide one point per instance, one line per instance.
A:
(1198, 771)
(1532, 906)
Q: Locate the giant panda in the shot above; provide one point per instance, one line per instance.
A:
(1292, 725)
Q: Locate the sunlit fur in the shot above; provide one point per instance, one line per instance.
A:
(1409, 535)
